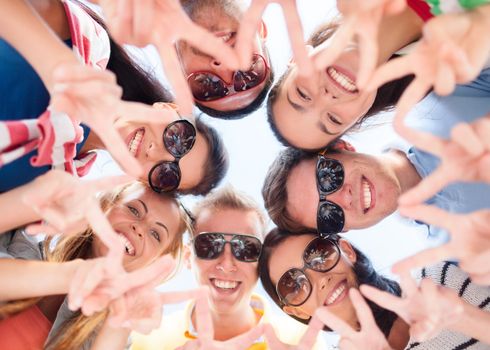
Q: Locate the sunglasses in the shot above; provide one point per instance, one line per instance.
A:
(178, 138)
(210, 245)
(207, 86)
(294, 288)
(330, 217)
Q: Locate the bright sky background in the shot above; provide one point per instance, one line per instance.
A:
(252, 148)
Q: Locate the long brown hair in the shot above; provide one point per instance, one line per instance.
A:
(78, 329)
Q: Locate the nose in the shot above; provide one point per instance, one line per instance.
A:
(343, 196)
(226, 261)
(137, 230)
(224, 73)
(156, 152)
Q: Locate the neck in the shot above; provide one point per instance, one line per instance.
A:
(399, 334)
(404, 170)
(229, 325)
(93, 142)
(398, 31)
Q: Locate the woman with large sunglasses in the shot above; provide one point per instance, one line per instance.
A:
(318, 273)
(184, 157)
(152, 226)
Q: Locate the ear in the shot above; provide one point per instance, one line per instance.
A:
(341, 144)
(187, 256)
(263, 32)
(348, 250)
(296, 311)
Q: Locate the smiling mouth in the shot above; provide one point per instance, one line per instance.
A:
(367, 197)
(337, 294)
(224, 286)
(134, 142)
(342, 80)
(128, 246)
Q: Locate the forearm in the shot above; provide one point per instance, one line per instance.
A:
(30, 278)
(16, 213)
(474, 323)
(24, 29)
(111, 338)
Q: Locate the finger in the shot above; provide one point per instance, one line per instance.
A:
(335, 323)
(481, 279)
(178, 297)
(139, 112)
(326, 53)
(445, 79)
(422, 140)
(54, 217)
(393, 69)
(476, 264)
(43, 228)
(431, 215)
(119, 151)
(295, 30)
(121, 23)
(80, 92)
(482, 128)
(424, 258)
(102, 227)
(213, 46)
(466, 137)
(152, 274)
(108, 182)
(79, 73)
(272, 339)
(363, 312)
(309, 338)
(248, 28)
(428, 187)
(384, 299)
(408, 284)
(412, 95)
(243, 341)
(143, 17)
(369, 51)
(174, 73)
(203, 320)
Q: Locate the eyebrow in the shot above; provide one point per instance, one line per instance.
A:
(146, 211)
(294, 105)
(324, 129)
(163, 225)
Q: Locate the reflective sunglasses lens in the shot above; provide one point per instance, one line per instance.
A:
(251, 78)
(330, 218)
(208, 245)
(207, 87)
(179, 137)
(246, 248)
(330, 174)
(321, 254)
(294, 287)
(165, 177)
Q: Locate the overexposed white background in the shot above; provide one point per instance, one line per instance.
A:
(252, 148)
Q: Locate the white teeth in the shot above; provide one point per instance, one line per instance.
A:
(135, 142)
(342, 79)
(336, 294)
(225, 284)
(129, 247)
(367, 194)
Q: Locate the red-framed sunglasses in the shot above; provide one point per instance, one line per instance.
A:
(207, 86)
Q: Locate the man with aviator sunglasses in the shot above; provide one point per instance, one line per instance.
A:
(218, 91)
(223, 255)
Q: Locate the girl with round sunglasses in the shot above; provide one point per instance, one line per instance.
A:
(176, 155)
(152, 225)
(319, 272)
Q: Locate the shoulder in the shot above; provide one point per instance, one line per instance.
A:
(16, 244)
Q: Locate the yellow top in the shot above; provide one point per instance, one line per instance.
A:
(177, 329)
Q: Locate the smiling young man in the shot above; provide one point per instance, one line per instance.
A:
(231, 273)
(218, 91)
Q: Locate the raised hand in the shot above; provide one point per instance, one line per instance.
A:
(205, 330)
(452, 51)
(368, 336)
(250, 23)
(307, 341)
(93, 97)
(94, 288)
(427, 308)
(464, 157)
(361, 19)
(163, 23)
(69, 205)
(469, 242)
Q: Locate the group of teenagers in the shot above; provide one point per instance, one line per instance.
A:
(81, 260)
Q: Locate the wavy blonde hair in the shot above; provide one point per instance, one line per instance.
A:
(75, 331)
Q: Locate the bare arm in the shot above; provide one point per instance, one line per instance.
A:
(15, 212)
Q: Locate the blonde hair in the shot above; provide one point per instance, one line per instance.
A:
(229, 198)
(77, 330)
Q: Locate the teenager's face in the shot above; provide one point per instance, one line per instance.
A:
(223, 22)
(230, 281)
(148, 222)
(370, 191)
(145, 142)
(329, 289)
(309, 113)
